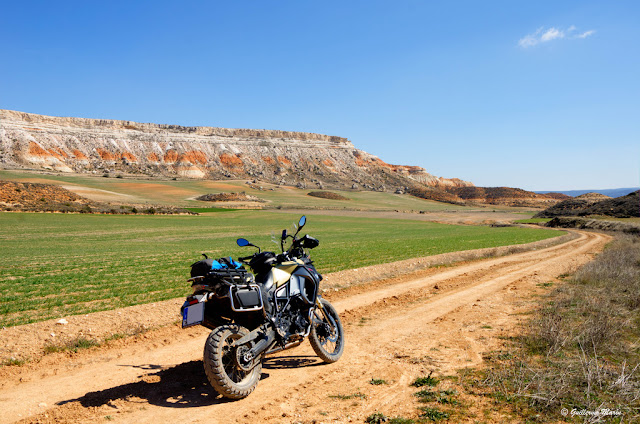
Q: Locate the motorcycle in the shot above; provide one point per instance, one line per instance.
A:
(251, 315)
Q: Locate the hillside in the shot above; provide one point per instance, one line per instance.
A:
(593, 204)
(306, 160)
(303, 160)
(503, 196)
(611, 192)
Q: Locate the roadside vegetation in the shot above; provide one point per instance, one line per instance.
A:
(434, 405)
(532, 221)
(53, 265)
(580, 352)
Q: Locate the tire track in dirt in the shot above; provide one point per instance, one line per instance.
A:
(400, 334)
(486, 267)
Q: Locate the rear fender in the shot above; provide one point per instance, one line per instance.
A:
(193, 299)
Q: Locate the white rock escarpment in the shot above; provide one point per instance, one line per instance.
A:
(109, 146)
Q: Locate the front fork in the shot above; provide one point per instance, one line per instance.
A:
(328, 317)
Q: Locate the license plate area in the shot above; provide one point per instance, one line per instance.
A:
(193, 315)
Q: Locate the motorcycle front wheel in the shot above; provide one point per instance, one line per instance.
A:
(223, 364)
(327, 335)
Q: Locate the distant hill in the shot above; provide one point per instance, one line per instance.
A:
(504, 196)
(611, 192)
(627, 206)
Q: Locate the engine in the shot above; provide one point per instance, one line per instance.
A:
(292, 320)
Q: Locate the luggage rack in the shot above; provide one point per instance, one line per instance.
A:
(230, 277)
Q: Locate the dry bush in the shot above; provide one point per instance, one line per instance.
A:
(580, 350)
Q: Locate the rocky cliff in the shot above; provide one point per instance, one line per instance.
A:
(108, 146)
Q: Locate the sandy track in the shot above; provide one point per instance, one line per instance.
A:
(441, 322)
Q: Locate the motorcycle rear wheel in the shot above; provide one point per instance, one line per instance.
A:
(221, 366)
(327, 338)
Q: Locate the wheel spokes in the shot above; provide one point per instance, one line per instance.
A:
(328, 337)
(229, 361)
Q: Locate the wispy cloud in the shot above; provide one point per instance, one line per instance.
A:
(542, 35)
(586, 33)
(551, 34)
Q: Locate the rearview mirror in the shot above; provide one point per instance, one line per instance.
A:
(243, 242)
(302, 221)
(284, 234)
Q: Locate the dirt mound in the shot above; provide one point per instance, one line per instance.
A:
(40, 197)
(593, 196)
(35, 197)
(435, 194)
(229, 197)
(327, 195)
(620, 207)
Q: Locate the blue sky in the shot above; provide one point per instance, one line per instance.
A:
(537, 95)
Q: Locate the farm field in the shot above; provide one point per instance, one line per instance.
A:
(610, 218)
(182, 193)
(57, 264)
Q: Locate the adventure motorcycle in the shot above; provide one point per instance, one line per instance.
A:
(254, 315)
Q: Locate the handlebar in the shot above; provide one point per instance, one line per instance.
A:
(245, 258)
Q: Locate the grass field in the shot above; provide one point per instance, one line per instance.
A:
(532, 221)
(59, 264)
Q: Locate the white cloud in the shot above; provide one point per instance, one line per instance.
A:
(543, 35)
(551, 34)
(587, 33)
(530, 40)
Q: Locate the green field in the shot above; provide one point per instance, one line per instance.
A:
(59, 264)
(532, 221)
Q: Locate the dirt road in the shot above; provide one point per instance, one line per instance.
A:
(395, 332)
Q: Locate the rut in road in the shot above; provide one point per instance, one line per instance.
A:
(395, 331)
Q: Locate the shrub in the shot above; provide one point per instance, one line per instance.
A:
(580, 349)
(425, 381)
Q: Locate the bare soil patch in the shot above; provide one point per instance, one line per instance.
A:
(464, 217)
(99, 195)
(164, 189)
